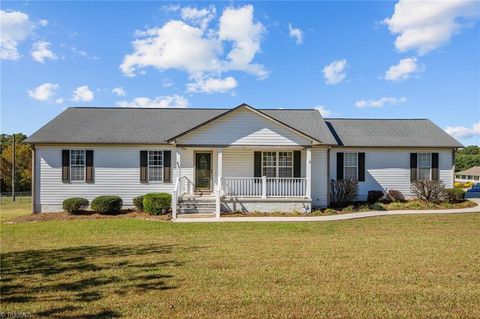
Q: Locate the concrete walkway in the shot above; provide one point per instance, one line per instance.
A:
(475, 209)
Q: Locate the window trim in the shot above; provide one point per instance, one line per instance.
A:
(78, 165)
(161, 166)
(277, 164)
(345, 166)
(418, 166)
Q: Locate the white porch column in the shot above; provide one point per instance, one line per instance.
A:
(178, 162)
(219, 181)
(308, 170)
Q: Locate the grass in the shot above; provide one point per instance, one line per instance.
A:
(389, 267)
(10, 209)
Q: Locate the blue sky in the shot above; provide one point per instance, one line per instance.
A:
(348, 59)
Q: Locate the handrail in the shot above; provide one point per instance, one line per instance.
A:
(265, 186)
(175, 193)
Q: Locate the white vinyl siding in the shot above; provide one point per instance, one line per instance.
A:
(244, 127)
(390, 168)
(319, 176)
(117, 172)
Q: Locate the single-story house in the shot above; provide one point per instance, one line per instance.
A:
(469, 175)
(230, 159)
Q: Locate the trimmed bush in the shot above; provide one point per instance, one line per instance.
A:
(428, 191)
(138, 203)
(376, 206)
(343, 192)
(374, 196)
(107, 204)
(75, 205)
(454, 195)
(395, 196)
(157, 203)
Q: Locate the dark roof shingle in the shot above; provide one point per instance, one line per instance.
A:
(390, 132)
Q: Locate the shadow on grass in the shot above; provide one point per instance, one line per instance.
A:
(71, 278)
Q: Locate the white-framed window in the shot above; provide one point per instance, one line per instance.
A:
(424, 166)
(277, 164)
(350, 166)
(77, 165)
(269, 164)
(155, 166)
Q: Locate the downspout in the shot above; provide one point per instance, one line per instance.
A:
(34, 198)
(328, 176)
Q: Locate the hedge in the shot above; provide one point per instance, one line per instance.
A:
(75, 205)
(138, 203)
(108, 204)
(157, 203)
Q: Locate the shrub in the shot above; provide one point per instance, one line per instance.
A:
(395, 196)
(428, 191)
(329, 211)
(75, 205)
(454, 195)
(468, 185)
(157, 203)
(458, 185)
(374, 196)
(138, 203)
(376, 206)
(108, 204)
(343, 192)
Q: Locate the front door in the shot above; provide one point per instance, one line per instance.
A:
(203, 171)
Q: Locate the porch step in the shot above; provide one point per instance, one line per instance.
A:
(194, 205)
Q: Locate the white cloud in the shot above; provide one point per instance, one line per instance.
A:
(119, 91)
(167, 83)
(213, 85)
(15, 27)
(323, 111)
(427, 25)
(161, 101)
(464, 132)
(237, 25)
(200, 17)
(59, 101)
(380, 102)
(43, 92)
(402, 70)
(82, 94)
(43, 22)
(295, 33)
(75, 50)
(335, 72)
(40, 52)
(170, 46)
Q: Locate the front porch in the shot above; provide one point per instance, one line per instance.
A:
(236, 180)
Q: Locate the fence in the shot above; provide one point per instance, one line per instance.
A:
(20, 197)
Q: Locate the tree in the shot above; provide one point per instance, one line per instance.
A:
(23, 169)
(467, 157)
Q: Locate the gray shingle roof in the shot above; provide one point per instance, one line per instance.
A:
(155, 125)
(473, 171)
(390, 132)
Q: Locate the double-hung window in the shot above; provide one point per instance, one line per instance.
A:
(350, 166)
(77, 165)
(277, 164)
(155, 166)
(424, 165)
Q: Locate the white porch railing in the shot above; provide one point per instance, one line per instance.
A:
(183, 185)
(264, 186)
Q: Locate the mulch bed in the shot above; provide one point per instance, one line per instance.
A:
(40, 217)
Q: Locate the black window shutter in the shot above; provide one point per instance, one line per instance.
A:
(143, 167)
(65, 166)
(297, 165)
(339, 166)
(435, 175)
(361, 167)
(167, 166)
(257, 164)
(89, 166)
(413, 167)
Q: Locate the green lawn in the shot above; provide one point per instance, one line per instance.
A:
(10, 209)
(388, 267)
